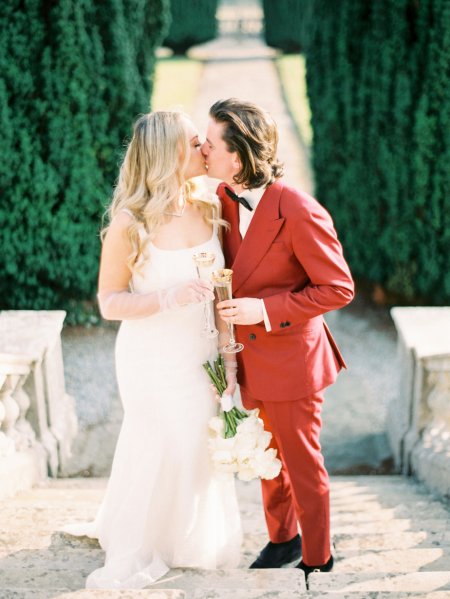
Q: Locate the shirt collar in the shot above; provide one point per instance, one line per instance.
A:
(253, 196)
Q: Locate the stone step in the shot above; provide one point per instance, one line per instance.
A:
(342, 486)
(379, 505)
(374, 511)
(261, 594)
(379, 524)
(13, 545)
(370, 540)
(211, 594)
(15, 511)
(398, 505)
(376, 514)
(391, 540)
(72, 576)
(399, 525)
(366, 582)
(347, 484)
(63, 593)
(54, 559)
(348, 523)
(373, 560)
(394, 561)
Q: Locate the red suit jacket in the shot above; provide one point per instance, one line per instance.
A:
(290, 257)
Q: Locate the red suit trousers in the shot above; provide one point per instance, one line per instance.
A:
(301, 492)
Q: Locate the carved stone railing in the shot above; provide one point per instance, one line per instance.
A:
(419, 418)
(37, 417)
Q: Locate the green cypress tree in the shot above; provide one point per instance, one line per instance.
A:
(192, 23)
(286, 23)
(73, 81)
(378, 82)
(65, 223)
(430, 166)
(22, 169)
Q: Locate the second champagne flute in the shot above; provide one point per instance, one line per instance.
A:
(222, 279)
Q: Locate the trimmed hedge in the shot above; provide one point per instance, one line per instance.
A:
(286, 23)
(74, 77)
(193, 22)
(378, 78)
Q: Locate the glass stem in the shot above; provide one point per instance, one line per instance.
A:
(231, 331)
(207, 324)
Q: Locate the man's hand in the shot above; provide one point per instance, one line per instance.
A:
(243, 310)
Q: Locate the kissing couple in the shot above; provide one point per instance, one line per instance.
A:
(165, 506)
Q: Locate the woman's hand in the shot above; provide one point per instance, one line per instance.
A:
(231, 376)
(191, 292)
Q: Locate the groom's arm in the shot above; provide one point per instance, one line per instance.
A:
(319, 253)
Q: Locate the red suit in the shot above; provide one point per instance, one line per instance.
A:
(290, 257)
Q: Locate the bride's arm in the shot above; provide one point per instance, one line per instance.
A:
(224, 334)
(228, 359)
(115, 299)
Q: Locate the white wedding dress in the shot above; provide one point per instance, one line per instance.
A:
(164, 507)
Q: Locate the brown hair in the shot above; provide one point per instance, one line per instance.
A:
(252, 133)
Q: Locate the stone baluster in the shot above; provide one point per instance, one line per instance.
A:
(37, 417)
(7, 446)
(419, 418)
(23, 461)
(430, 455)
(11, 408)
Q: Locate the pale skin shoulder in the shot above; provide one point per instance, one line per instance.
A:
(114, 272)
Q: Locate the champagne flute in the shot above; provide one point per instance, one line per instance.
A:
(222, 283)
(203, 263)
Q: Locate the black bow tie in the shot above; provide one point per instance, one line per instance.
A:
(230, 193)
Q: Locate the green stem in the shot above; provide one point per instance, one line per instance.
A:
(215, 380)
(223, 375)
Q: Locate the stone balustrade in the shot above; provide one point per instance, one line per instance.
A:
(37, 417)
(419, 419)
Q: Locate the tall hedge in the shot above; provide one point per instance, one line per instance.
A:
(75, 74)
(378, 77)
(286, 23)
(193, 22)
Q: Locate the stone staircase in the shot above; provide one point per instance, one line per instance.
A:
(391, 539)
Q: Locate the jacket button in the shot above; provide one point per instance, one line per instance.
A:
(282, 325)
(287, 324)
(252, 336)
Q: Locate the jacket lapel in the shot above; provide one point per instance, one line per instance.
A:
(263, 229)
(231, 238)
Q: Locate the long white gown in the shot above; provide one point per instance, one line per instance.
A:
(164, 507)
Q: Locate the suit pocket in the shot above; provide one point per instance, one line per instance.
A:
(334, 346)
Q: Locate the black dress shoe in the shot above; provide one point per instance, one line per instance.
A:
(309, 569)
(275, 555)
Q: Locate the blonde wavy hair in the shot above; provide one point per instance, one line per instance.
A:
(151, 179)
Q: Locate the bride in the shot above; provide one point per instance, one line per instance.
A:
(163, 506)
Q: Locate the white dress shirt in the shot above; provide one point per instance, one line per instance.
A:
(253, 196)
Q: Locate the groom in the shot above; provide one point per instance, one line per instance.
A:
(288, 270)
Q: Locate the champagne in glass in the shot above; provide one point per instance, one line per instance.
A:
(222, 279)
(203, 263)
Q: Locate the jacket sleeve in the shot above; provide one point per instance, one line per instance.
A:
(319, 253)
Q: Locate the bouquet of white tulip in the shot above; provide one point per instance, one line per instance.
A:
(238, 441)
